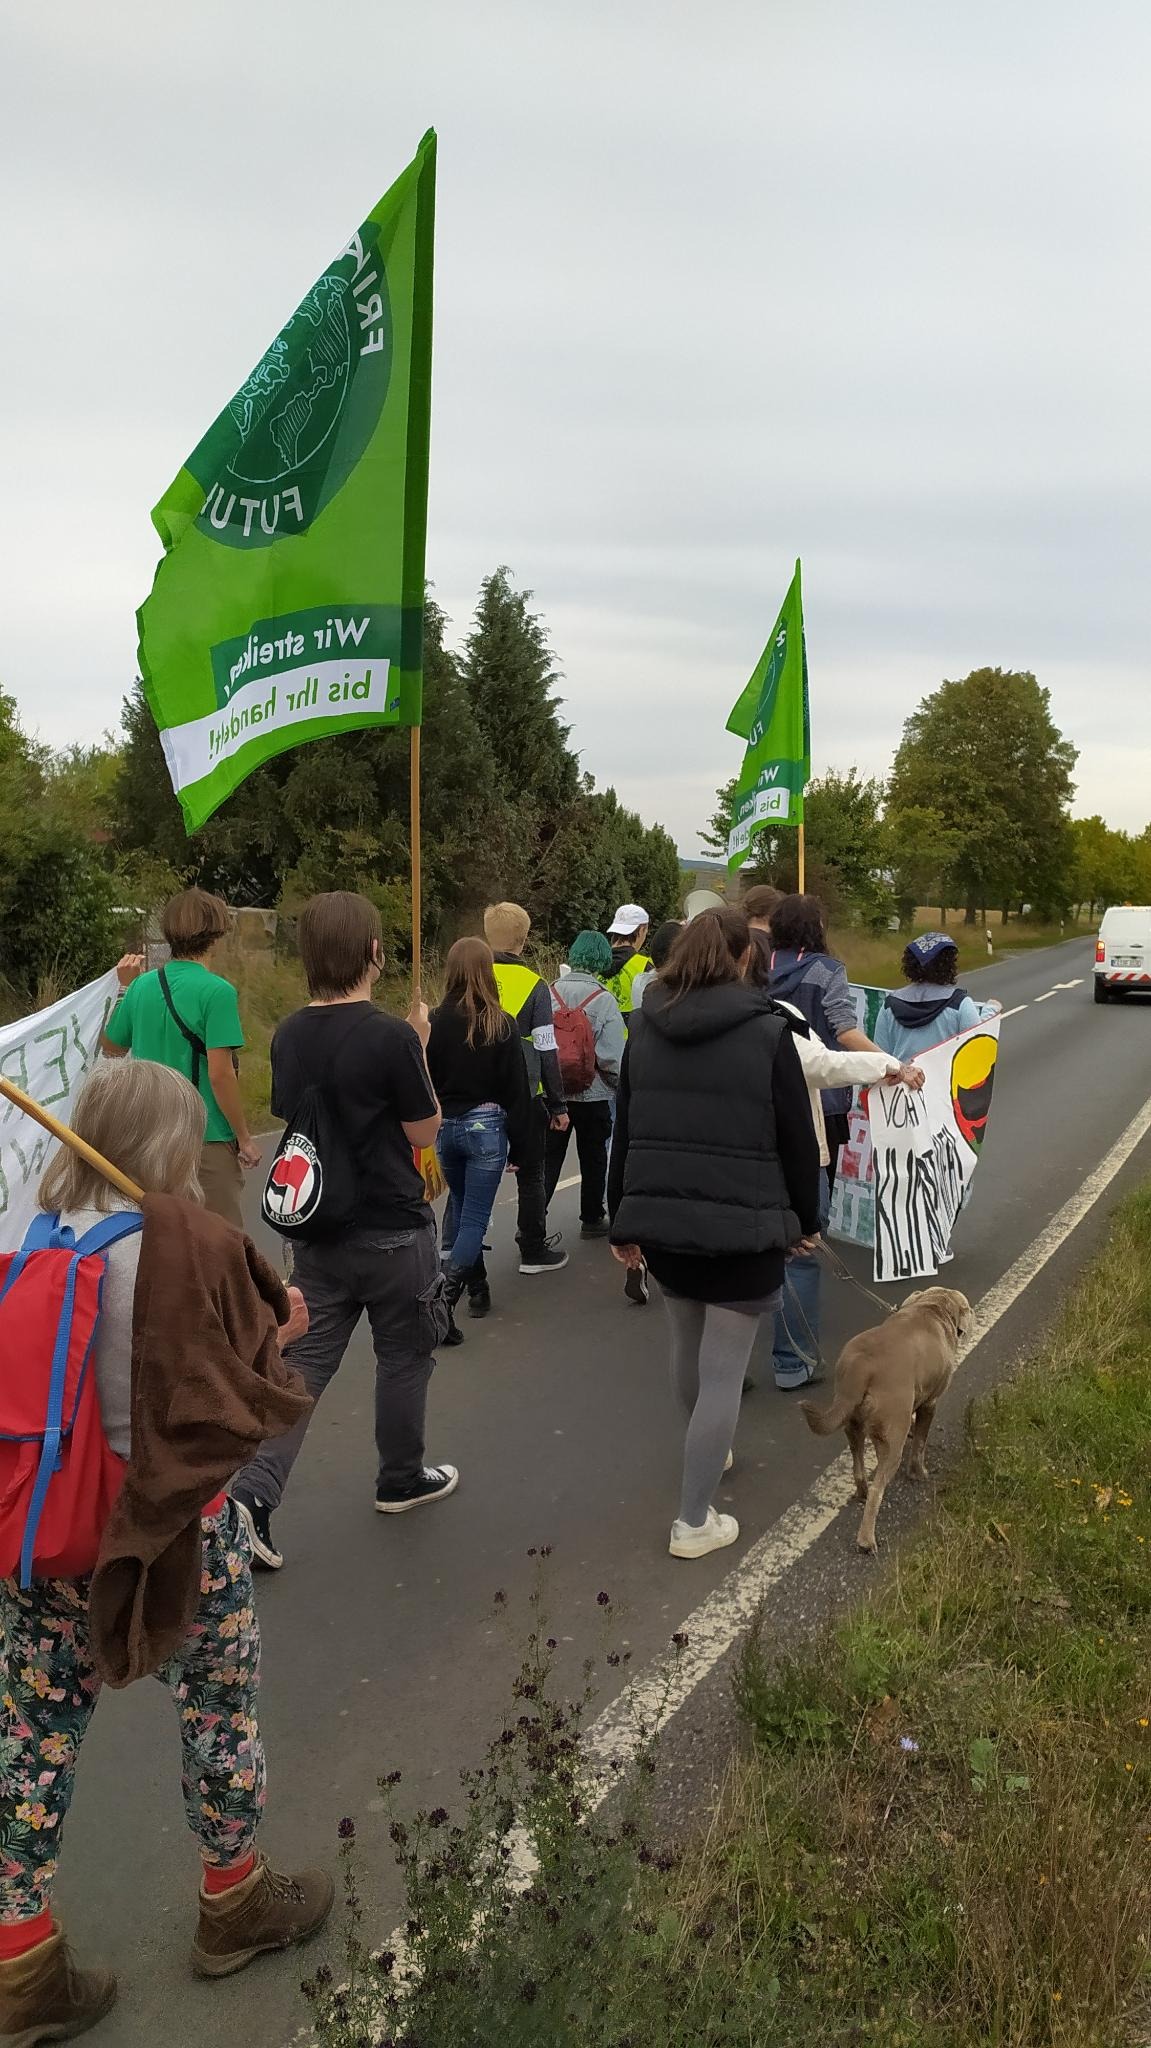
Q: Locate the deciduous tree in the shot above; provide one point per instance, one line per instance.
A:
(984, 755)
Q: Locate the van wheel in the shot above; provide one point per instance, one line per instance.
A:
(1102, 992)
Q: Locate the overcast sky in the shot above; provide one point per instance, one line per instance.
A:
(716, 286)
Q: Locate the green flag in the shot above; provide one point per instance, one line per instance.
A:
(289, 601)
(772, 716)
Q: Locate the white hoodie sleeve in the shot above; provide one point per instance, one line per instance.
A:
(823, 1068)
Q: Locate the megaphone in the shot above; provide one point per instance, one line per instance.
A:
(701, 899)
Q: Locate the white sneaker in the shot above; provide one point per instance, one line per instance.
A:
(729, 1461)
(715, 1534)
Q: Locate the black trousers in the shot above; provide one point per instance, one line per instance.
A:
(591, 1124)
(532, 1201)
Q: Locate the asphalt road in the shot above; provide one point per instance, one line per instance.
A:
(382, 1650)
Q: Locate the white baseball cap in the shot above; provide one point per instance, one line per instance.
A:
(628, 919)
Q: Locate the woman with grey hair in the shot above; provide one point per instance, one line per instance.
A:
(186, 1328)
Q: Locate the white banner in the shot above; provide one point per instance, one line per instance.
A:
(320, 689)
(47, 1056)
(907, 1168)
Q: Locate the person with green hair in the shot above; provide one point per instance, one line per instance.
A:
(591, 1031)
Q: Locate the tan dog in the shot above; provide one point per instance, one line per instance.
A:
(886, 1380)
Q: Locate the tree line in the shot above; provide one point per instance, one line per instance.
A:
(974, 816)
(508, 811)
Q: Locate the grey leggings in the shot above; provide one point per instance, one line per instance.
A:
(710, 1349)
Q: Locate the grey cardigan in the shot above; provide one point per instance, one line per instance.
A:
(608, 1029)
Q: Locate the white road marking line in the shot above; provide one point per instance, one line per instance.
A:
(1077, 983)
(572, 1181)
(1047, 998)
(654, 1695)
(1005, 1014)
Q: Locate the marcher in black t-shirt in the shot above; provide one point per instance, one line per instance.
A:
(373, 1071)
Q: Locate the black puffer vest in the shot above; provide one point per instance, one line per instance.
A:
(703, 1172)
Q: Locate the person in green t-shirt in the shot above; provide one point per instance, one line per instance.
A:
(184, 1016)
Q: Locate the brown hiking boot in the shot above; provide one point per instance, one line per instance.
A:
(45, 1997)
(264, 1912)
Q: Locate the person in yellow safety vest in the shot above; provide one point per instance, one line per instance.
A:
(628, 934)
(526, 997)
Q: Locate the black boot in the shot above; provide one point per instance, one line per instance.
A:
(454, 1283)
(479, 1293)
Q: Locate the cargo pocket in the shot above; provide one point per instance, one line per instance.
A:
(434, 1314)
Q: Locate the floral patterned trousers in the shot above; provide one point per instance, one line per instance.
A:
(50, 1689)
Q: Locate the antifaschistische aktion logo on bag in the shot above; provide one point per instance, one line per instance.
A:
(307, 412)
(295, 1184)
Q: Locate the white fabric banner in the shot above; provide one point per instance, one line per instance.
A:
(907, 1168)
(47, 1056)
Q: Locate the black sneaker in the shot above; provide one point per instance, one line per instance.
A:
(599, 1228)
(480, 1300)
(548, 1259)
(435, 1482)
(257, 1520)
(635, 1286)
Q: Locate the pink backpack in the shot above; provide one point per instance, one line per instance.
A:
(575, 1043)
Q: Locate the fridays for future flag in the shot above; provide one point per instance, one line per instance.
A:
(772, 716)
(288, 605)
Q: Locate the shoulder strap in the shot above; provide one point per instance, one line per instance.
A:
(109, 1230)
(577, 1007)
(53, 1423)
(41, 1232)
(199, 1049)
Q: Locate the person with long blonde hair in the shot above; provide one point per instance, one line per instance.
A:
(479, 1073)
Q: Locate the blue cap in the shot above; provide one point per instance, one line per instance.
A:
(931, 945)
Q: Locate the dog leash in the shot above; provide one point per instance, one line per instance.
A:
(814, 1360)
(842, 1271)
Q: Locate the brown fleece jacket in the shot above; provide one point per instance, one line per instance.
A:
(208, 1387)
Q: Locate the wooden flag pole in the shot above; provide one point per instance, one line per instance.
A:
(417, 906)
(68, 1137)
(802, 861)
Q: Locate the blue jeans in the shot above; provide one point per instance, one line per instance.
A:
(473, 1152)
(796, 1353)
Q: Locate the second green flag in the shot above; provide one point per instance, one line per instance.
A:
(772, 716)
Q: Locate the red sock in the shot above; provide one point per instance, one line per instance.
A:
(221, 1877)
(18, 1936)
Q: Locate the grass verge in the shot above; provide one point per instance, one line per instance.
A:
(942, 1833)
(876, 959)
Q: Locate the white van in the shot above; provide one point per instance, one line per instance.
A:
(1123, 951)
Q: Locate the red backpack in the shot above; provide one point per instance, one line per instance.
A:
(575, 1043)
(59, 1477)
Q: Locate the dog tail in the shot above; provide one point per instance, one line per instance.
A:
(824, 1421)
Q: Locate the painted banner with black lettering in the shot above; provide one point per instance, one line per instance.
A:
(907, 1169)
(47, 1056)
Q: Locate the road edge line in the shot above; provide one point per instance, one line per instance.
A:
(654, 1696)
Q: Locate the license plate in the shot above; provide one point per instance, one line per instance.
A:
(1126, 960)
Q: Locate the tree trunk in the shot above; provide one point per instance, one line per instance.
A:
(969, 914)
